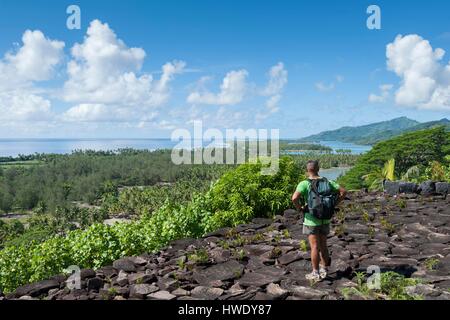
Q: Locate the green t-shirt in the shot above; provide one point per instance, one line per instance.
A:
(303, 188)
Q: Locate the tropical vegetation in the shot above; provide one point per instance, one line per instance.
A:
(237, 197)
(373, 133)
(415, 156)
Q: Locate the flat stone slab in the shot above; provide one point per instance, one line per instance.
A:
(257, 249)
(261, 277)
(223, 271)
(36, 289)
(206, 293)
(124, 264)
(161, 295)
(290, 257)
(141, 290)
(307, 292)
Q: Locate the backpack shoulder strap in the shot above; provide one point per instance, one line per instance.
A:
(314, 184)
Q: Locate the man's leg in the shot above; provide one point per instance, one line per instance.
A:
(314, 245)
(323, 248)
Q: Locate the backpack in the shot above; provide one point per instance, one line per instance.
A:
(321, 199)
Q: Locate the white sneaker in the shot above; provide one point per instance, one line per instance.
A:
(323, 272)
(314, 276)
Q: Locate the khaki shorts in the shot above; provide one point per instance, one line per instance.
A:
(322, 229)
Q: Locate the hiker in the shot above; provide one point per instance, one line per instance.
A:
(317, 197)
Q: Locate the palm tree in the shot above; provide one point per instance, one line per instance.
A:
(376, 179)
(412, 174)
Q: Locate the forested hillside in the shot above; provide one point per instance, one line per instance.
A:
(373, 133)
(421, 151)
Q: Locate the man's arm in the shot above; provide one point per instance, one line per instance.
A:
(296, 200)
(342, 192)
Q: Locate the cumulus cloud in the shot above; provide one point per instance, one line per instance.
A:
(104, 79)
(36, 60)
(21, 105)
(425, 81)
(232, 91)
(385, 91)
(235, 87)
(272, 103)
(278, 78)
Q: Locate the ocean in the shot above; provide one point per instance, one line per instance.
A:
(15, 147)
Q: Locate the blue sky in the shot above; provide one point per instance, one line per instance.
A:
(298, 66)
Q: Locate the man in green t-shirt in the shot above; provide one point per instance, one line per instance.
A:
(316, 229)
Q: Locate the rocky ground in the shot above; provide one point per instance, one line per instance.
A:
(268, 259)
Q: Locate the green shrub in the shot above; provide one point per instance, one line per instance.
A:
(392, 287)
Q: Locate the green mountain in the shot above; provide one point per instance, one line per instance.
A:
(372, 133)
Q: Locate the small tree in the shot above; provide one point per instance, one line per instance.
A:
(375, 179)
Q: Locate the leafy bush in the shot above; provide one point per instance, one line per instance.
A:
(392, 287)
(375, 179)
(10, 230)
(244, 193)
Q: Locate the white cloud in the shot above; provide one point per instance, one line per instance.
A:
(278, 78)
(272, 103)
(104, 79)
(425, 81)
(235, 87)
(385, 91)
(232, 91)
(21, 105)
(34, 61)
(324, 87)
(89, 112)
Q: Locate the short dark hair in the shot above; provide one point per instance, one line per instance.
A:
(313, 165)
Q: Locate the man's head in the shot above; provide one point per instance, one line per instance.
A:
(312, 166)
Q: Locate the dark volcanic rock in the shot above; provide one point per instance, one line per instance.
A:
(257, 249)
(94, 284)
(36, 289)
(261, 277)
(161, 295)
(391, 187)
(442, 187)
(107, 272)
(141, 278)
(225, 271)
(340, 267)
(290, 257)
(168, 284)
(220, 255)
(207, 293)
(141, 290)
(307, 292)
(124, 264)
(427, 188)
(276, 292)
(408, 187)
(404, 266)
